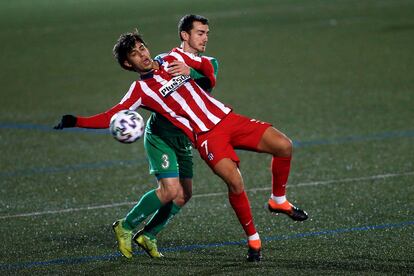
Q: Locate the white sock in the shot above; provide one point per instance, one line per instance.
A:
(278, 199)
(254, 237)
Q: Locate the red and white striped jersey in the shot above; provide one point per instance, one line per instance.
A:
(179, 99)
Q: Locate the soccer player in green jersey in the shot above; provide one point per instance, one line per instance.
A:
(169, 152)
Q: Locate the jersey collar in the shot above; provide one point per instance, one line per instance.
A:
(147, 75)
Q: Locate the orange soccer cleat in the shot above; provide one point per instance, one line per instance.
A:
(287, 208)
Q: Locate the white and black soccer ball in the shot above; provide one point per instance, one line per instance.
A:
(127, 126)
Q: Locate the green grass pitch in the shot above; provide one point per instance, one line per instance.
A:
(336, 76)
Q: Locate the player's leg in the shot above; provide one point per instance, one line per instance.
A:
(215, 149)
(183, 151)
(163, 162)
(149, 203)
(176, 158)
(279, 145)
(164, 215)
(251, 134)
(168, 190)
(228, 171)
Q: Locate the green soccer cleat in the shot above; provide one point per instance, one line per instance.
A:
(149, 245)
(123, 236)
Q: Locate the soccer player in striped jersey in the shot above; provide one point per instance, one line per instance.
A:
(169, 152)
(168, 149)
(214, 129)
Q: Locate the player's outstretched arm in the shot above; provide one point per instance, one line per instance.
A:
(102, 120)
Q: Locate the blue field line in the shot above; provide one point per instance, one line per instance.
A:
(340, 140)
(111, 163)
(108, 257)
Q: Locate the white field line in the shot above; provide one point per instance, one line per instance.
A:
(112, 205)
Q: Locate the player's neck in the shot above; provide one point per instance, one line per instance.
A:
(155, 66)
(188, 49)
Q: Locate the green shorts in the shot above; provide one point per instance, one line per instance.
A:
(169, 156)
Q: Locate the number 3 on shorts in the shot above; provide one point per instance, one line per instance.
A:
(165, 162)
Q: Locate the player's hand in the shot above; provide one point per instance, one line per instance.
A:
(177, 68)
(66, 121)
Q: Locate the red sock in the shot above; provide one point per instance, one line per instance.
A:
(280, 174)
(241, 206)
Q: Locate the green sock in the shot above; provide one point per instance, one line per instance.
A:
(160, 219)
(148, 204)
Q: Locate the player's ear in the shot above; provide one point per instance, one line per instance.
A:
(127, 64)
(185, 36)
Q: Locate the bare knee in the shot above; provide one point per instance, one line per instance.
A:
(184, 194)
(168, 189)
(276, 143)
(236, 187)
(229, 172)
(285, 147)
(181, 199)
(234, 182)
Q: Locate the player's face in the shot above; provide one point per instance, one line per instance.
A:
(198, 37)
(139, 58)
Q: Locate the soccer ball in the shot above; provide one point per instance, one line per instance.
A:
(127, 126)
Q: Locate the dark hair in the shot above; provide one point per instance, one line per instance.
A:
(186, 23)
(124, 45)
